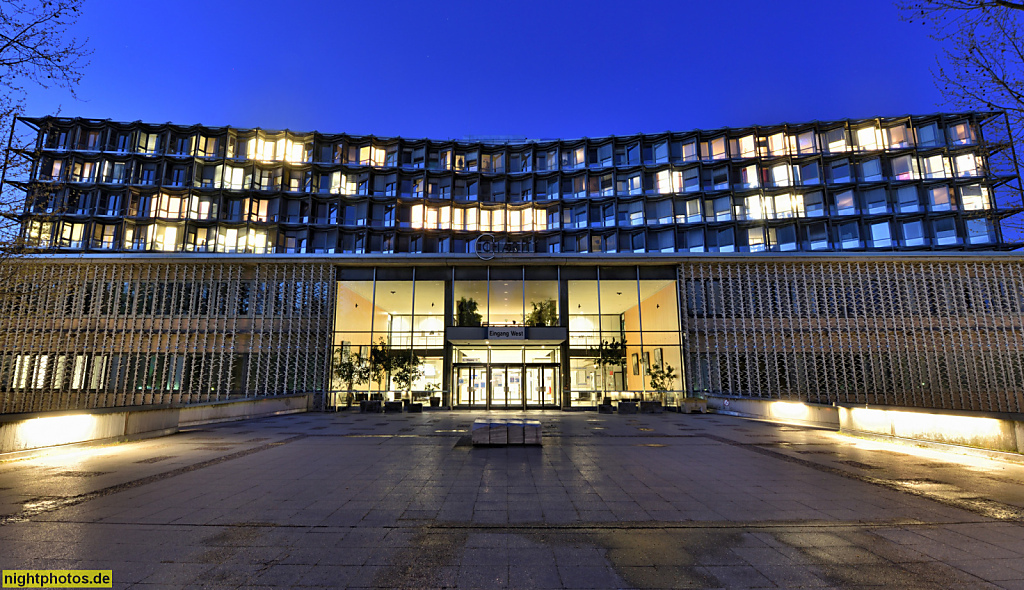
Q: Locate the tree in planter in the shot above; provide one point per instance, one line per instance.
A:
(405, 369)
(544, 313)
(610, 354)
(663, 377)
(351, 369)
(466, 312)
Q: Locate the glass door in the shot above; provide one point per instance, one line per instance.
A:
(498, 387)
(514, 387)
(541, 385)
(471, 386)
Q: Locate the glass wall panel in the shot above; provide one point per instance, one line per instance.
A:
(470, 303)
(506, 305)
(584, 330)
(541, 303)
(428, 315)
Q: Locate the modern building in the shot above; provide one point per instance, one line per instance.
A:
(855, 260)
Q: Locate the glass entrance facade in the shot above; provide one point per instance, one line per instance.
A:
(506, 337)
(513, 378)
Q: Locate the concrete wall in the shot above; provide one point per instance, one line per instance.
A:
(26, 432)
(982, 430)
(776, 410)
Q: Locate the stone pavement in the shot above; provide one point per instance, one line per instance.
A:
(397, 501)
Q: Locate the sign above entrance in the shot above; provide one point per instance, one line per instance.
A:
(506, 333)
(486, 246)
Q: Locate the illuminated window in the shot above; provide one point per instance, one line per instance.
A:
(835, 140)
(170, 207)
(974, 197)
(689, 150)
(777, 145)
(755, 239)
(747, 177)
(960, 134)
(868, 138)
(934, 166)
(806, 143)
(967, 165)
(899, 137)
(780, 175)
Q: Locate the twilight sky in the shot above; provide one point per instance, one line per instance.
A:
(540, 69)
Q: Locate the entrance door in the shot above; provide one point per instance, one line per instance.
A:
(501, 387)
(471, 386)
(541, 385)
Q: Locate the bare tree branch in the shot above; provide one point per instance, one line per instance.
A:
(981, 67)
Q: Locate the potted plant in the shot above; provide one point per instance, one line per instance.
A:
(435, 400)
(663, 379)
(406, 369)
(351, 369)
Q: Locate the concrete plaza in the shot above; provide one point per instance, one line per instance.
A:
(609, 501)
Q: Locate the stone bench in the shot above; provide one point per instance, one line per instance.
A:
(373, 406)
(499, 432)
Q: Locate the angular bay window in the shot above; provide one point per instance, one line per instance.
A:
(814, 204)
(869, 170)
(692, 240)
(721, 240)
(113, 172)
(817, 236)
(846, 204)
(834, 140)
(849, 235)
(755, 239)
(899, 137)
(782, 239)
(974, 197)
(868, 138)
(839, 172)
(940, 199)
(908, 199)
(928, 135)
(960, 134)
(913, 233)
(945, 231)
(967, 165)
(875, 201)
(979, 231)
(904, 168)
(881, 236)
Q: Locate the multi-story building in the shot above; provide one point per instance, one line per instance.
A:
(855, 260)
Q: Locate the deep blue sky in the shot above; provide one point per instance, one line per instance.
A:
(542, 69)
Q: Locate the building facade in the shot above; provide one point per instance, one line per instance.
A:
(857, 261)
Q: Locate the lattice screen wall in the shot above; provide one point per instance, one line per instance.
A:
(940, 333)
(96, 334)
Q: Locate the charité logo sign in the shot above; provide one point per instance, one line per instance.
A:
(487, 246)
